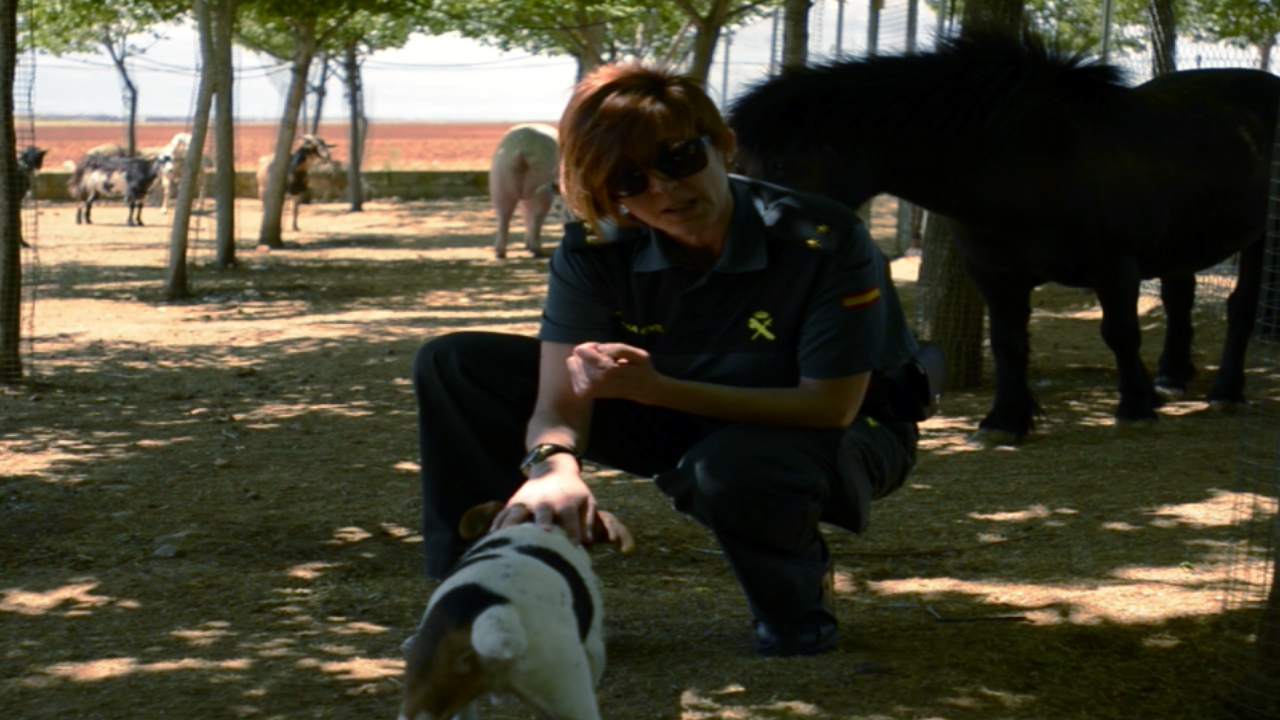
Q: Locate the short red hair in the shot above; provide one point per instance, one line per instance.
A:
(623, 113)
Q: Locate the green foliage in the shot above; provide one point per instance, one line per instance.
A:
(1243, 23)
(124, 27)
(593, 31)
(1077, 24)
(272, 26)
(620, 28)
(371, 32)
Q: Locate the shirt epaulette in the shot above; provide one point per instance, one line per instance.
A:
(579, 235)
(814, 221)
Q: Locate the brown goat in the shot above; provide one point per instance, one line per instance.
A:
(311, 149)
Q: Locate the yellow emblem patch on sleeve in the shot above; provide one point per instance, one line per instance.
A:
(861, 299)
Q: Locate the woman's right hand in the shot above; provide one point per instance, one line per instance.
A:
(555, 495)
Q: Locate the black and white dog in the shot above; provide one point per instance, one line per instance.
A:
(521, 614)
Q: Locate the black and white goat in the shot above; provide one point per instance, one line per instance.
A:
(97, 177)
(30, 161)
(311, 149)
(521, 614)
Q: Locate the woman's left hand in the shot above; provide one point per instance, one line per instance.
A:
(611, 371)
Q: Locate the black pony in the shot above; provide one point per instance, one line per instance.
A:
(1048, 169)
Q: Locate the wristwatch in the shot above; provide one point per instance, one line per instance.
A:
(543, 451)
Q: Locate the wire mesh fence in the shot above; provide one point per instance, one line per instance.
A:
(1249, 676)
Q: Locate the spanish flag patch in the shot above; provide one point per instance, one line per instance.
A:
(860, 300)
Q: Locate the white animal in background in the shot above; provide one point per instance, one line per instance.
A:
(171, 171)
(523, 172)
(521, 614)
(107, 150)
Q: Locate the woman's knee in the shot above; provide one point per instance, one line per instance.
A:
(445, 351)
(472, 354)
(764, 460)
(767, 484)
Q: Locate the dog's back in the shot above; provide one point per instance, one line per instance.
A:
(521, 614)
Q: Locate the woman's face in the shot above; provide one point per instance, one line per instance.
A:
(695, 209)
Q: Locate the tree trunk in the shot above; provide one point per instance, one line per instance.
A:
(225, 137)
(321, 91)
(176, 282)
(949, 309)
(588, 42)
(270, 233)
(10, 205)
(1164, 36)
(704, 50)
(707, 36)
(355, 97)
(131, 97)
(795, 34)
(1266, 677)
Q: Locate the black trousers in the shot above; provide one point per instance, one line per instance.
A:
(761, 490)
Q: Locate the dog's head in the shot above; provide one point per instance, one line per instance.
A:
(476, 522)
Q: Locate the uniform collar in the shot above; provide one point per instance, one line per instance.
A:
(744, 248)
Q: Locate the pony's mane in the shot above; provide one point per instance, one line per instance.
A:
(988, 78)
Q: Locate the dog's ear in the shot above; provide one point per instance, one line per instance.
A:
(616, 533)
(476, 521)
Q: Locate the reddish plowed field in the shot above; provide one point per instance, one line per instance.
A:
(390, 146)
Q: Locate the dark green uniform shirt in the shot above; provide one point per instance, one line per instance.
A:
(800, 291)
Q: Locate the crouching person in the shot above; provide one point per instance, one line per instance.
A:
(716, 333)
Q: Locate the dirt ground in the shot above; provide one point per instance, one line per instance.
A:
(209, 509)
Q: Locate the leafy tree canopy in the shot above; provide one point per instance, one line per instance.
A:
(61, 27)
(624, 28)
(271, 26)
(1243, 23)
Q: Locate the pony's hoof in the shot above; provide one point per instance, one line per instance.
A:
(991, 438)
(1135, 427)
(1171, 393)
(1227, 407)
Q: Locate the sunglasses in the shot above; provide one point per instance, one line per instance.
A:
(674, 162)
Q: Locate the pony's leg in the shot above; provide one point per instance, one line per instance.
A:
(1118, 295)
(1242, 314)
(1179, 296)
(1014, 409)
(506, 209)
(535, 211)
(165, 192)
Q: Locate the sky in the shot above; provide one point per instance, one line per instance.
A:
(432, 79)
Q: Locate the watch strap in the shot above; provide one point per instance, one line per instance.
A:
(541, 452)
